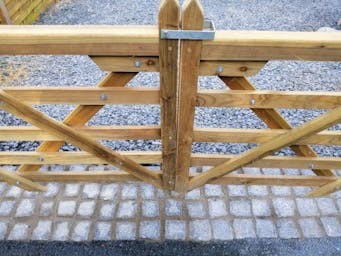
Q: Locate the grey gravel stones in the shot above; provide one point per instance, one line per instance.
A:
(43, 230)
(127, 209)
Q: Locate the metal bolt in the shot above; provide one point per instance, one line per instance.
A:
(137, 64)
(220, 69)
(311, 166)
(17, 182)
(170, 137)
(103, 97)
(252, 102)
(40, 159)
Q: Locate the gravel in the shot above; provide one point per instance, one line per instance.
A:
(304, 15)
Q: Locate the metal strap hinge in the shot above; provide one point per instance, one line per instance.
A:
(207, 33)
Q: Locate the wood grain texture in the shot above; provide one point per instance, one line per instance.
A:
(267, 148)
(86, 95)
(273, 119)
(68, 134)
(257, 136)
(154, 157)
(27, 133)
(326, 189)
(169, 18)
(268, 99)
(205, 98)
(231, 179)
(81, 115)
(16, 180)
(143, 41)
(151, 64)
(190, 51)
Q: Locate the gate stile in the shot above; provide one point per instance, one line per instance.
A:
(126, 51)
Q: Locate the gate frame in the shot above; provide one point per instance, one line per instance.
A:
(180, 62)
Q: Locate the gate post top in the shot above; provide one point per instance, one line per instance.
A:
(169, 14)
(192, 15)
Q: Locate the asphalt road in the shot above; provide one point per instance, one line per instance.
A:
(273, 247)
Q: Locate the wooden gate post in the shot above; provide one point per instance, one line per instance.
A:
(169, 18)
(190, 52)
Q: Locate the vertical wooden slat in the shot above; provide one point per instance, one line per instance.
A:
(81, 115)
(192, 19)
(273, 119)
(169, 18)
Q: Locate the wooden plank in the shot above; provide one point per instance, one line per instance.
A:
(85, 95)
(143, 41)
(68, 158)
(273, 119)
(151, 64)
(169, 18)
(205, 98)
(230, 68)
(274, 180)
(151, 157)
(326, 189)
(68, 134)
(192, 19)
(268, 99)
(231, 179)
(81, 115)
(29, 133)
(259, 136)
(4, 15)
(270, 161)
(127, 64)
(16, 180)
(316, 125)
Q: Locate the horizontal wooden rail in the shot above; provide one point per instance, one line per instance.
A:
(29, 133)
(154, 157)
(151, 64)
(231, 179)
(269, 99)
(143, 41)
(205, 98)
(85, 95)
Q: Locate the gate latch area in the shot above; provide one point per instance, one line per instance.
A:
(207, 33)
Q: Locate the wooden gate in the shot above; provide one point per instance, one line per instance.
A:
(126, 50)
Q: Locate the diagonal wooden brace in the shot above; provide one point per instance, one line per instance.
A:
(326, 189)
(273, 119)
(80, 115)
(70, 135)
(14, 179)
(316, 125)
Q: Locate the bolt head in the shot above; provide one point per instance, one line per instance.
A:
(17, 182)
(220, 69)
(137, 64)
(252, 102)
(103, 97)
(311, 166)
(40, 159)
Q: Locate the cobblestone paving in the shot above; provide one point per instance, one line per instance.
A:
(128, 211)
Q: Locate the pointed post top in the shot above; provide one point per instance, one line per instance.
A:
(192, 15)
(169, 14)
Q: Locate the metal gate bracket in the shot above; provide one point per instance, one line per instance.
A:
(207, 33)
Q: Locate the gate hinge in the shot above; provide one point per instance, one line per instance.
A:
(207, 33)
